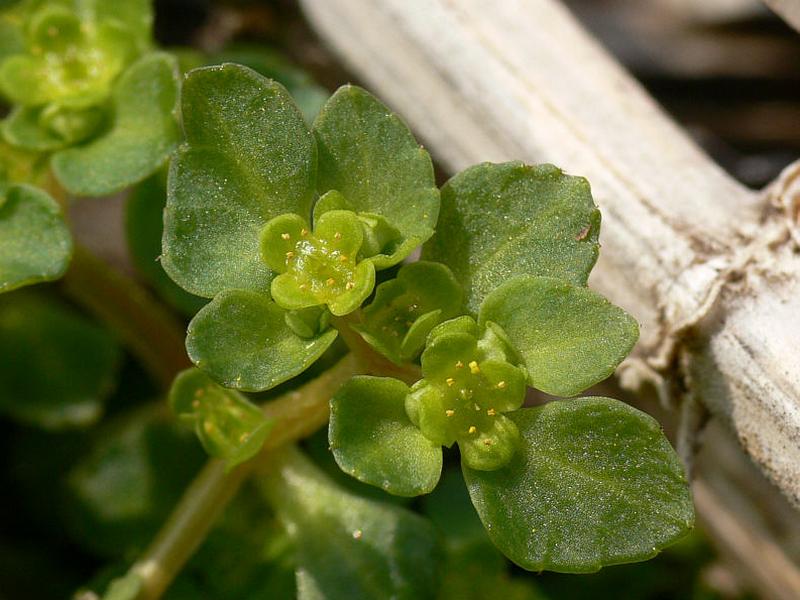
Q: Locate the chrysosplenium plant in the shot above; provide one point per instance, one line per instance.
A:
(299, 236)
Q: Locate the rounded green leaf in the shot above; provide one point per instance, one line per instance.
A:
(569, 337)
(594, 483)
(503, 220)
(143, 133)
(249, 157)
(242, 340)
(373, 439)
(368, 155)
(348, 546)
(228, 425)
(35, 243)
(57, 367)
(144, 226)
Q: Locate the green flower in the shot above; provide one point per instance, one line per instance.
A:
(63, 78)
(319, 267)
(468, 384)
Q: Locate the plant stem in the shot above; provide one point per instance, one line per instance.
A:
(297, 414)
(150, 332)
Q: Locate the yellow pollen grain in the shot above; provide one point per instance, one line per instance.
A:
(491, 412)
(330, 281)
(304, 232)
(357, 534)
(476, 407)
(487, 442)
(285, 236)
(459, 365)
(349, 285)
(472, 429)
(303, 287)
(502, 385)
(474, 368)
(289, 255)
(449, 412)
(450, 381)
(343, 258)
(337, 236)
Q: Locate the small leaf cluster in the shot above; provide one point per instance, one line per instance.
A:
(88, 91)
(287, 228)
(93, 110)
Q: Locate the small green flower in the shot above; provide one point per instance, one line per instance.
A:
(319, 267)
(69, 61)
(468, 383)
(61, 76)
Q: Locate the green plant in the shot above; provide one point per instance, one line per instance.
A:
(293, 246)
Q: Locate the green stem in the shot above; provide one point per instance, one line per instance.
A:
(151, 333)
(297, 414)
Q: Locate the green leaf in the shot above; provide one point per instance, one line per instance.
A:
(242, 340)
(143, 133)
(373, 439)
(503, 220)
(57, 367)
(368, 155)
(474, 569)
(407, 308)
(350, 547)
(249, 157)
(596, 483)
(229, 426)
(129, 481)
(144, 227)
(569, 337)
(35, 243)
(309, 96)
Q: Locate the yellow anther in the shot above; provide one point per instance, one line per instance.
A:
(449, 412)
(357, 534)
(349, 285)
(474, 368)
(487, 442)
(491, 412)
(208, 426)
(343, 258)
(289, 255)
(304, 232)
(459, 365)
(337, 236)
(501, 385)
(195, 403)
(450, 381)
(330, 281)
(472, 429)
(303, 287)
(476, 407)
(285, 236)
(243, 438)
